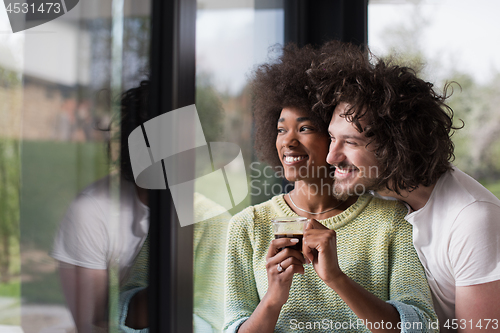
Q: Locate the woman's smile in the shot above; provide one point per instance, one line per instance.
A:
(294, 159)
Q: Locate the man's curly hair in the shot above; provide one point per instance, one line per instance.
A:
(133, 113)
(284, 83)
(408, 122)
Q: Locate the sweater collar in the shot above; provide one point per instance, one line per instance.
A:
(334, 222)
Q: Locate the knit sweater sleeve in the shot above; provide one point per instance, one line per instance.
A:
(137, 281)
(408, 290)
(241, 295)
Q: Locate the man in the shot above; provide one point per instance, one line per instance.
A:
(89, 240)
(390, 133)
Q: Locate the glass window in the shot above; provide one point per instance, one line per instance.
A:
(231, 39)
(62, 120)
(451, 41)
(73, 223)
(61, 81)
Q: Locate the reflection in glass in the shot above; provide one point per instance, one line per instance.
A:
(230, 41)
(55, 89)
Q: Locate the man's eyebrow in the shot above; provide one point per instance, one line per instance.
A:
(349, 136)
(353, 136)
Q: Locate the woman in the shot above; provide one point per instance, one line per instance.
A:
(373, 282)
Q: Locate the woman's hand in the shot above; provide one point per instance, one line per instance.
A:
(265, 316)
(320, 247)
(291, 262)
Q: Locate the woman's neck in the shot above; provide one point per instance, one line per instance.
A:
(307, 198)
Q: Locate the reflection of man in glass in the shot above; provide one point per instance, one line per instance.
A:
(391, 132)
(209, 238)
(88, 242)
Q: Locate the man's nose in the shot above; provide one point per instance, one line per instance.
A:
(335, 154)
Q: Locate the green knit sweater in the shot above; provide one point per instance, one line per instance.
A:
(375, 249)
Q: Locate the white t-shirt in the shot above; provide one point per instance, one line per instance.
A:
(457, 238)
(91, 235)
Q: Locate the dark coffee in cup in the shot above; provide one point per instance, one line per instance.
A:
(297, 246)
(290, 227)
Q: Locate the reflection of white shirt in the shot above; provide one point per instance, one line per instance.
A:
(91, 236)
(457, 238)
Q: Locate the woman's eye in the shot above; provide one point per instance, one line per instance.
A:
(305, 128)
(281, 130)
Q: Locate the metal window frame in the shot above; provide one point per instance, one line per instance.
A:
(315, 22)
(172, 67)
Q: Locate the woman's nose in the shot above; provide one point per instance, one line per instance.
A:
(290, 139)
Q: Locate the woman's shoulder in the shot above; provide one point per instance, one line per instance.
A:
(390, 213)
(387, 208)
(263, 211)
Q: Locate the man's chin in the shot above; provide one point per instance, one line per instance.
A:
(342, 192)
(341, 196)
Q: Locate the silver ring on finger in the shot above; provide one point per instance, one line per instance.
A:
(280, 268)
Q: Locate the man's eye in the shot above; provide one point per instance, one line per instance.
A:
(350, 143)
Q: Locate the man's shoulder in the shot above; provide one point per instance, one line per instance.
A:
(464, 188)
(454, 197)
(459, 204)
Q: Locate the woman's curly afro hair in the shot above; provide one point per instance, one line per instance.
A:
(283, 83)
